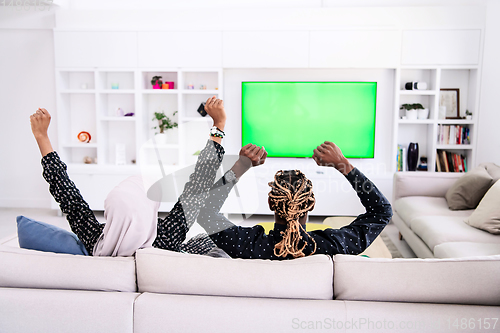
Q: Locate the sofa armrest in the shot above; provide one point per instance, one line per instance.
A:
(431, 184)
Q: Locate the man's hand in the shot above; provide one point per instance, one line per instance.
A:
(250, 155)
(215, 108)
(40, 121)
(329, 154)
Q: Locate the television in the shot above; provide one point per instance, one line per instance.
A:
(290, 119)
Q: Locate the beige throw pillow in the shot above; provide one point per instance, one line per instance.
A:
(487, 214)
(469, 189)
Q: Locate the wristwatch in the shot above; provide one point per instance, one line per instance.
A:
(230, 177)
(215, 131)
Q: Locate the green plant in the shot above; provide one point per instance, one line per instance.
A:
(164, 122)
(414, 106)
(156, 79)
(468, 113)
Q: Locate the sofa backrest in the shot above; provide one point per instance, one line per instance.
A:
(21, 268)
(472, 280)
(161, 271)
(430, 184)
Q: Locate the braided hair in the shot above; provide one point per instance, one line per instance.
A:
(291, 197)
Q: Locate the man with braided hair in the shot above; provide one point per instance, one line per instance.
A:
(291, 198)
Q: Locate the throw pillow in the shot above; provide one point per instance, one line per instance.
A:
(469, 189)
(36, 235)
(487, 214)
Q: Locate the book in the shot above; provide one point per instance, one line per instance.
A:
(438, 165)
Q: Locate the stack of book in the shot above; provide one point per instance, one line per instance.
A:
(450, 162)
(401, 158)
(453, 135)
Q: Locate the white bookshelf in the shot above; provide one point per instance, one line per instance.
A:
(88, 100)
(425, 131)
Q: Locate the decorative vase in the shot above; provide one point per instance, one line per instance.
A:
(161, 138)
(411, 114)
(156, 86)
(412, 156)
(423, 113)
(165, 86)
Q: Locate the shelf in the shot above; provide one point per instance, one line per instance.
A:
(160, 91)
(103, 168)
(454, 147)
(455, 122)
(200, 91)
(78, 91)
(117, 91)
(196, 119)
(80, 145)
(418, 92)
(417, 121)
(162, 145)
(132, 118)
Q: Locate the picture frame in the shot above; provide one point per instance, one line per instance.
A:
(451, 99)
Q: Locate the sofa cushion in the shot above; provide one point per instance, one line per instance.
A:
(468, 190)
(36, 235)
(465, 249)
(493, 170)
(435, 230)
(459, 281)
(23, 268)
(487, 214)
(170, 272)
(409, 208)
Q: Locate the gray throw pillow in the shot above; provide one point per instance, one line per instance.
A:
(493, 170)
(487, 214)
(469, 189)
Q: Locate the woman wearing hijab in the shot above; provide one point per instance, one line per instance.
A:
(131, 218)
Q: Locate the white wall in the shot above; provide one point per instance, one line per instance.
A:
(27, 59)
(27, 83)
(488, 149)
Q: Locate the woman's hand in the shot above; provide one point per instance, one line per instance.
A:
(329, 154)
(250, 155)
(40, 121)
(215, 108)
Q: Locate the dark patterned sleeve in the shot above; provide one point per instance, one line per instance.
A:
(357, 236)
(173, 228)
(79, 215)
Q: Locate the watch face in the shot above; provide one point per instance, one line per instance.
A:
(230, 176)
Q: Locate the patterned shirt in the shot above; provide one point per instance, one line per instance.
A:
(254, 243)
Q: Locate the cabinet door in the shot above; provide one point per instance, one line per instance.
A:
(355, 48)
(95, 49)
(265, 49)
(441, 47)
(180, 49)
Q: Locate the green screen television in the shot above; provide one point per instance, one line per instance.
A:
(290, 119)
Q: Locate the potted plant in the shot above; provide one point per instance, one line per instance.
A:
(156, 82)
(410, 111)
(422, 113)
(468, 115)
(164, 123)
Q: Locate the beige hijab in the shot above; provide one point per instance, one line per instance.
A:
(130, 220)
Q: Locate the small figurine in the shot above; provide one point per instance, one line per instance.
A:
(84, 137)
(87, 160)
(119, 112)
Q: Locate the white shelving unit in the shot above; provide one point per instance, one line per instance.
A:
(425, 131)
(87, 102)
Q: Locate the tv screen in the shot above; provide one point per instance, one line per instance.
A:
(290, 119)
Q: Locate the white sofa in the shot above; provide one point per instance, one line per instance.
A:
(431, 229)
(162, 291)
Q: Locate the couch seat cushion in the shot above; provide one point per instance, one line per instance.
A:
(455, 281)
(170, 272)
(23, 268)
(466, 249)
(409, 208)
(435, 230)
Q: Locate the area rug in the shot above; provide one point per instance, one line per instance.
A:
(390, 245)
